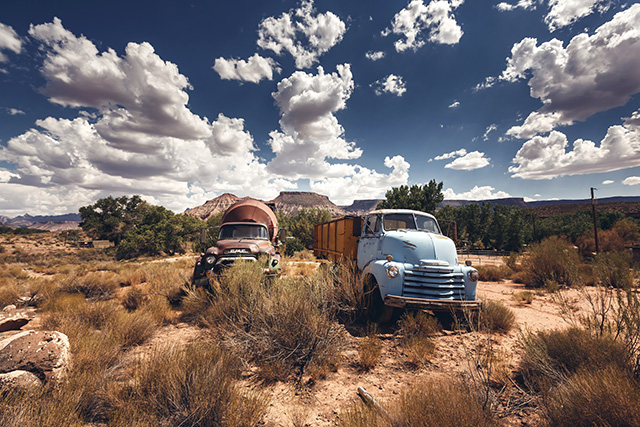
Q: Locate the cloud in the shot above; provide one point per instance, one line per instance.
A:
(363, 183)
(436, 19)
(489, 129)
(9, 40)
(140, 97)
(374, 56)
(455, 104)
(633, 121)
(391, 84)
(310, 132)
(547, 157)
(566, 12)
(60, 164)
(458, 153)
(522, 4)
(302, 32)
(14, 111)
(253, 70)
(632, 180)
(476, 193)
(592, 74)
(607, 182)
(470, 161)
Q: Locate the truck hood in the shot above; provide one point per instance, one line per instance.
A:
(411, 246)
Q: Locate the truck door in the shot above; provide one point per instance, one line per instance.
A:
(368, 240)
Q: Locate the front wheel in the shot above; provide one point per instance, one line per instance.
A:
(375, 309)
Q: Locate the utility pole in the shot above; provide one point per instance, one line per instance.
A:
(595, 218)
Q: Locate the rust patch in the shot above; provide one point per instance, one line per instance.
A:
(409, 244)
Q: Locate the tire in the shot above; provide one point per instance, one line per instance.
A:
(375, 309)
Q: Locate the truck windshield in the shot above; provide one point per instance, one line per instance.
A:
(407, 221)
(241, 231)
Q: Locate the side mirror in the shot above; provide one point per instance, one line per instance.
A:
(203, 235)
(282, 235)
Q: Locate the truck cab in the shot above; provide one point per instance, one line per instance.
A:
(407, 262)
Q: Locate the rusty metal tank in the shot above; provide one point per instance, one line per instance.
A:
(250, 210)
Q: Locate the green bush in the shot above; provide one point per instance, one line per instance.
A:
(552, 260)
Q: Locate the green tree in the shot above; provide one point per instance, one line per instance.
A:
(425, 198)
(111, 218)
(301, 224)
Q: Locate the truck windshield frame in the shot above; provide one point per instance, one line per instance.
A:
(243, 231)
(410, 221)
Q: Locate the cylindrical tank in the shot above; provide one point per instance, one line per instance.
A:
(250, 210)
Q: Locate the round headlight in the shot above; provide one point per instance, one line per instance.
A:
(392, 271)
(211, 260)
(474, 275)
(274, 262)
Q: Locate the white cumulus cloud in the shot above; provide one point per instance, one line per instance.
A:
(302, 32)
(436, 19)
(566, 12)
(364, 183)
(489, 129)
(14, 111)
(252, 70)
(470, 161)
(632, 180)
(9, 40)
(455, 104)
(392, 84)
(521, 4)
(607, 182)
(374, 56)
(457, 153)
(476, 193)
(546, 157)
(592, 73)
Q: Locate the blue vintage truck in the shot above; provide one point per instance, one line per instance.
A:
(404, 260)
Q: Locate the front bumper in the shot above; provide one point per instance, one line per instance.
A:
(432, 304)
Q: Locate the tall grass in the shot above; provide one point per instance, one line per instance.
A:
(437, 402)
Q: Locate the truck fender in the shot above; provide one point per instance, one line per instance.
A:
(378, 270)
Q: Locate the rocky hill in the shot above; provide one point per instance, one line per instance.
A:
(44, 222)
(361, 207)
(213, 206)
(290, 202)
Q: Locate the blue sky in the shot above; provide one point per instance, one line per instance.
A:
(182, 101)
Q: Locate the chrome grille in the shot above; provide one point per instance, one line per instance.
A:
(433, 282)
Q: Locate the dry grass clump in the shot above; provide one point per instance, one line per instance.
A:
(287, 327)
(370, 348)
(433, 402)
(551, 261)
(552, 356)
(596, 397)
(169, 280)
(133, 275)
(9, 291)
(494, 273)
(192, 386)
(496, 317)
(523, 297)
(614, 269)
(98, 285)
(416, 329)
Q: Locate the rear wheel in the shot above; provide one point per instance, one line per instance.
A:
(375, 309)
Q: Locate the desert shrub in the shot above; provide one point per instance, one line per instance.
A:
(512, 260)
(431, 402)
(132, 276)
(169, 280)
(293, 246)
(523, 297)
(194, 386)
(520, 277)
(594, 397)
(9, 292)
(132, 328)
(552, 260)
(494, 273)
(614, 269)
(587, 275)
(496, 317)
(99, 285)
(288, 323)
(370, 348)
(551, 356)
(416, 329)
(608, 241)
(45, 407)
(133, 299)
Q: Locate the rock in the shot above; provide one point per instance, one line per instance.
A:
(19, 379)
(13, 323)
(44, 353)
(9, 308)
